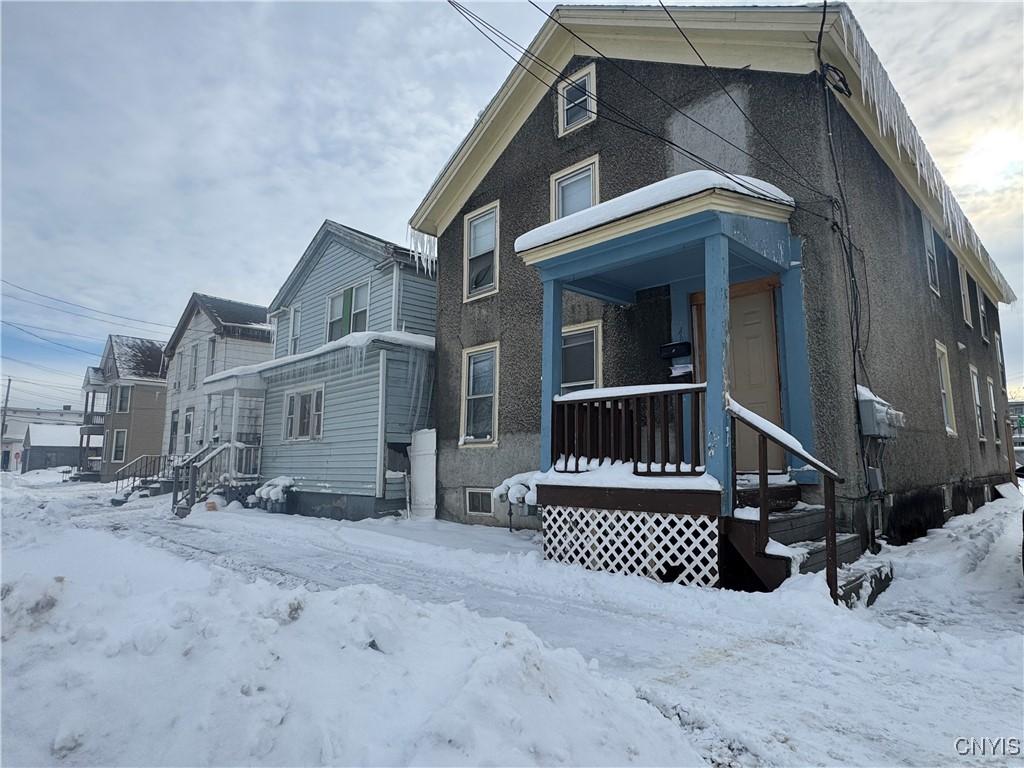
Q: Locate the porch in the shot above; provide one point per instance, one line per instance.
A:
(643, 478)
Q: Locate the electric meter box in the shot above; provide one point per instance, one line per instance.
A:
(878, 418)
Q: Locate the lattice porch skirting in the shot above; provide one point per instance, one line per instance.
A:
(664, 547)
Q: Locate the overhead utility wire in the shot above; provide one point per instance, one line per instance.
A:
(86, 352)
(33, 382)
(82, 306)
(802, 180)
(75, 376)
(74, 314)
(62, 332)
(633, 124)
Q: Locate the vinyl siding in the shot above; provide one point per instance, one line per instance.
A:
(418, 302)
(345, 459)
(409, 393)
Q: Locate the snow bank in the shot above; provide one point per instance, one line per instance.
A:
(653, 195)
(274, 489)
(117, 654)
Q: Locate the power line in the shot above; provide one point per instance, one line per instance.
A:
(86, 352)
(62, 332)
(82, 306)
(41, 367)
(69, 312)
(46, 384)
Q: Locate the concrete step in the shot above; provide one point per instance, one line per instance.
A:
(848, 549)
(861, 584)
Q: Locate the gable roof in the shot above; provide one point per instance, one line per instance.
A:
(766, 38)
(223, 313)
(135, 358)
(371, 246)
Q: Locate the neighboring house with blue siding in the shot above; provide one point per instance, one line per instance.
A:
(351, 378)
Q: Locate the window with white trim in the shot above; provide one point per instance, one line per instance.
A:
(577, 100)
(979, 413)
(581, 358)
(117, 452)
(479, 501)
(186, 432)
(965, 295)
(945, 388)
(180, 354)
(480, 386)
(574, 189)
(211, 355)
(124, 399)
(295, 320)
(982, 314)
(304, 414)
(193, 371)
(480, 265)
(929, 253)
(992, 409)
(999, 358)
(348, 311)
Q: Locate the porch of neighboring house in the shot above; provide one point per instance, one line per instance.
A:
(697, 483)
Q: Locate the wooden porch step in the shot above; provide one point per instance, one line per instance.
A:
(780, 497)
(804, 524)
(848, 549)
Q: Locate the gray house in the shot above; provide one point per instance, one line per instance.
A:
(653, 291)
(351, 377)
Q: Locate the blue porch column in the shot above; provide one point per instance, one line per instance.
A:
(717, 437)
(551, 365)
(682, 330)
(795, 363)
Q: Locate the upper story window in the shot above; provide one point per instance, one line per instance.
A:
(945, 388)
(993, 413)
(348, 311)
(577, 101)
(119, 447)
(193, 371)
(929, 254)
(124, 399)
(480, 390)
(581, 357)
(211, 356)
(574, 188)
(1002, 364)
(179, 354)
(982, 314)
(979, 413)
(304, 414)
(480, 266)
(111, 397)
(293, 330)
(965, 295)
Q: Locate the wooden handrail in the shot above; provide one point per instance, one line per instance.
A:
(793, 449)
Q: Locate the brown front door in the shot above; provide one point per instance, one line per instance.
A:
(753, 363)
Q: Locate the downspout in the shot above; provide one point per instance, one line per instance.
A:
(396, 284)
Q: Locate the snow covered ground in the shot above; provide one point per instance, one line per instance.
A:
(231, 637)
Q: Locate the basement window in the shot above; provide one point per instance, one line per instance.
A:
(479, 501)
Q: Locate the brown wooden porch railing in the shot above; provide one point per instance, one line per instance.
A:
(624, 424)
(739, 414)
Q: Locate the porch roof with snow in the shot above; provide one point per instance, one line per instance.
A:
(766, 38)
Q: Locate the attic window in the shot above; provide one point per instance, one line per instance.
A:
(348, 311)
(577, 103)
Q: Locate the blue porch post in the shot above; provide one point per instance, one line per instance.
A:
(551, 365)
(682, 330)
(717, 437)
(795, 362)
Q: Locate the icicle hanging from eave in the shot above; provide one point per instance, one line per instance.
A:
(424, 250)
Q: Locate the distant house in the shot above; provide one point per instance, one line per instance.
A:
(130, 374)
(212, 335)
(351, 377)
(17, 422)
(54, 445)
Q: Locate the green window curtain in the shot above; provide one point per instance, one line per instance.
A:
(346, 312)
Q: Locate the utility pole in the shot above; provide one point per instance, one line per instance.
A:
(3, 419)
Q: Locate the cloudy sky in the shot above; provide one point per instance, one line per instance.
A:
(152, 150)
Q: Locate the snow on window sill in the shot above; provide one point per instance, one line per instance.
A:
(482, 295)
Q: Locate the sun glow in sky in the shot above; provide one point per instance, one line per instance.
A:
(993, 159)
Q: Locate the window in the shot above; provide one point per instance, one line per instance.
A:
(275, 329)
(172, 442)
(181, 369)
(124, 399)
(992, 410)
(211, 356)
(929, 253)
(186, 432)
(293, 330)
(479, 386)
(575, 188)
(979, 414)
(1002, 364)
(111, 398)
(304, 414)
(580, 357)
(120, 445)
(347, 312)
(479, 501)
(577, 100)
(945, 388)
(982, 314)
(965, 296)
(193, 371)
(480, 266)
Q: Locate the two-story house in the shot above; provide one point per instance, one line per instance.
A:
(212, 335)
(351, 377)
(706, 264)
(130, 374)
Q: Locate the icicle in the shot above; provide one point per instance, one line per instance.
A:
(424, 250)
